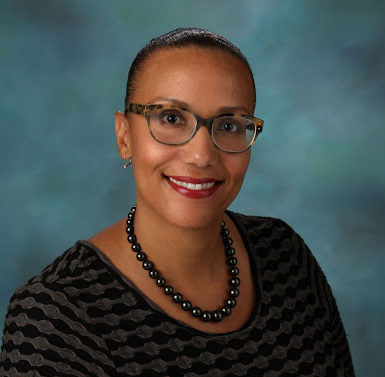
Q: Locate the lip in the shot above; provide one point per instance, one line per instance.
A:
(193, 180)
(194, 194)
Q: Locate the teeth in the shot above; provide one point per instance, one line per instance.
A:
(193, 186)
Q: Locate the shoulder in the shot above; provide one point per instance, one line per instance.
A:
(293, 285)
(67, 288)
(48, 324)
(52, 289)
(283, 256)
(272, 238)
(264, 230)
(80, 262)
(254, 222)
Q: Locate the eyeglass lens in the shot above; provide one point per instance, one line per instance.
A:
(175, 126)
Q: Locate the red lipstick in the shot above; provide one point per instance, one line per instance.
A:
(201, 187)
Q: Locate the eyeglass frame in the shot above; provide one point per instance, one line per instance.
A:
(146, 111)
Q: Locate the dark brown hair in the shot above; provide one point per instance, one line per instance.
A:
(178, 38)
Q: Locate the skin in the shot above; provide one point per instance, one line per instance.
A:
(208, 81)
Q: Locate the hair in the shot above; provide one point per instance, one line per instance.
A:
(180, 38)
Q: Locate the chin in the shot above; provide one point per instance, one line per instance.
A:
(188, 214)
(194, 214)
(195, 219)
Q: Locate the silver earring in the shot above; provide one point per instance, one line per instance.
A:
(128, 163)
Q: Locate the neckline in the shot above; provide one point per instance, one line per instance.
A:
(153, 306)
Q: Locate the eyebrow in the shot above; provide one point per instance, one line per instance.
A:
(178, 102)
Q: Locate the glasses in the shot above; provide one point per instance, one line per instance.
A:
(173, 125)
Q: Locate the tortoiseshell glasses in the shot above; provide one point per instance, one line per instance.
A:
(172, 125)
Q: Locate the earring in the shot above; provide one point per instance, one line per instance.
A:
(128, 163)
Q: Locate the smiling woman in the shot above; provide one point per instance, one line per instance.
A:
(182, 286)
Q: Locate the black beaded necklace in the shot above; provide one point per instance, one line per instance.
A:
(177, 297)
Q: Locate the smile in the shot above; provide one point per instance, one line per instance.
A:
(194, 188)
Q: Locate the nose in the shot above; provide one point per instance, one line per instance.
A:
(200, 150)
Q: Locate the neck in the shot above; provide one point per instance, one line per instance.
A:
(180, 251)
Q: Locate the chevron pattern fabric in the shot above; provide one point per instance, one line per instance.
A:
(81, 317)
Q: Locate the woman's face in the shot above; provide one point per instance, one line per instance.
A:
(208, 82)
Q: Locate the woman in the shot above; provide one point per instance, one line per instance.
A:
(182, 286)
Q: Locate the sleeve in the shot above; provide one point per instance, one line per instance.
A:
(320, 284)
(46, 335)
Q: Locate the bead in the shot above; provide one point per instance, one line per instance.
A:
(136, 247)
(232, 261)
(141, 257)
(229, 252)
(234, 282)
(196, 312)
(153, 274)
(217, 316)
(231, 302)
(207, 316)
(168, 290)
(147, 265)
(226, 310)
(227, 241)
(177, 297)
(186, 305)
(224, 232)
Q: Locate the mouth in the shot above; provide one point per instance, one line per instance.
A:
(196, 188)
(193, 186)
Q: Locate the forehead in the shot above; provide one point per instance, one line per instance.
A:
(195, 74)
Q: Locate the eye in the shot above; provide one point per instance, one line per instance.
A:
(171, 117)
(230, 125)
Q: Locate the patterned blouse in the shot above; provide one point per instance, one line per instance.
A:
(81, 317)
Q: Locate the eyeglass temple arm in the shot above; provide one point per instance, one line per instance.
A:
(136, 108)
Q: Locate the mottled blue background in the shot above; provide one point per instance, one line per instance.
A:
(319, 164)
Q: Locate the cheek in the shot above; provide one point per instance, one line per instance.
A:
(143, 147)
(148, 155)
(238, 165)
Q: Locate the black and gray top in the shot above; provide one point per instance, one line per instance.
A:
(82, 317)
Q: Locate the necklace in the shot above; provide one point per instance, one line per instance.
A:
(160, 281)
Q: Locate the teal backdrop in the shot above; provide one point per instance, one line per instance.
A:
(319, 164)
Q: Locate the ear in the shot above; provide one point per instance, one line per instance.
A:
(122, 135)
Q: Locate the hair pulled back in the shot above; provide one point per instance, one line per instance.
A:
(179, 38)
